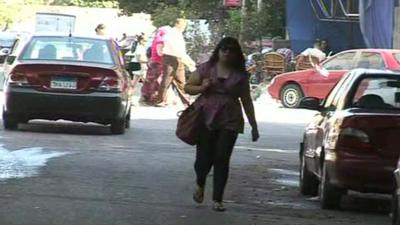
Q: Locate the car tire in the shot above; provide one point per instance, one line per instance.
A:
(330, 196)
(395, 208)
(9, 123)
(291, 94)
(308, 181)
(118, 126)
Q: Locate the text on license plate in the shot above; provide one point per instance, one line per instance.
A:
(63, 83)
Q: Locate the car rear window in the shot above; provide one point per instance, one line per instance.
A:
(68, 49)
(378, 93)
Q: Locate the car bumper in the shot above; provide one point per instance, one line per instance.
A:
(98, 107)
(274, 92)
(363, 173)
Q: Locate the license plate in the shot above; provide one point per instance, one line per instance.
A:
(63, 83)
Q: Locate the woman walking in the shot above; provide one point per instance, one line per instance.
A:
(154, 74)
(223, 84)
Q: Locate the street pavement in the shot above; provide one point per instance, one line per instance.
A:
(70, 173)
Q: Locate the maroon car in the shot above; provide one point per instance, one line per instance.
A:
(74, 78)
(352, 143)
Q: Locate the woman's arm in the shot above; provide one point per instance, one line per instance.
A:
(159, 49)
(196, 85)
(248, 106)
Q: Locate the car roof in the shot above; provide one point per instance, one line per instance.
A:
(365, 72)
(375, 50)
(73, 35)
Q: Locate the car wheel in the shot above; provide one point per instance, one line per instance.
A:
(9, 123)
(395, 208)
(291, 95)
(118, 126)
(308, 181)
(330, 196)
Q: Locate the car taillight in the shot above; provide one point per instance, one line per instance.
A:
(112, 84)
(355, 133)
(18, 79)
(354, 138)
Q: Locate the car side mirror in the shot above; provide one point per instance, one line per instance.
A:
(310, 103)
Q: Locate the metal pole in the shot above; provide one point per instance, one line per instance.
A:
(259, 5)
(243, 13)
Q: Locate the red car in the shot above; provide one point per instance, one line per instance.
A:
(75, 78)
(290, 88)
(352, 143)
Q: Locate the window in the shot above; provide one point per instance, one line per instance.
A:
(332, 100)
(68, 49)
(377, 93)
(341, 62)
(370, 60)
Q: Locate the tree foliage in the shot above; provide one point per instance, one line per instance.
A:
(88, 3)
(10, 10)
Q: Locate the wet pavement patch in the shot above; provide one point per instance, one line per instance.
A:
(286, 177)
(24, 162)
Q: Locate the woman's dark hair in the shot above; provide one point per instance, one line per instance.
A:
(240, 61)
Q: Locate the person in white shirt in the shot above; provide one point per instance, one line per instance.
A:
(141, 58)
(315, 52)
(175, 60)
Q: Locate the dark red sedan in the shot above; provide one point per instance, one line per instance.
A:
(353, 142)
(73, 78)
(290, 88)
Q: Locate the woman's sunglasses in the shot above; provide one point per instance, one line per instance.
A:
(229, 48)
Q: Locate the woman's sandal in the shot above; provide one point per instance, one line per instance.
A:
(198, 195)
(219, 207)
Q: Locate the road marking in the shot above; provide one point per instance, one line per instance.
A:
(266, 150)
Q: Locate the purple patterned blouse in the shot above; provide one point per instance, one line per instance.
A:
(220, 103)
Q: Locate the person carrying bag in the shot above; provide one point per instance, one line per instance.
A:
(214, 121)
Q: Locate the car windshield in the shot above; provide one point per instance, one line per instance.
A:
(68, 49)
(378, 93)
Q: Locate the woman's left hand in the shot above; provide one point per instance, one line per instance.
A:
(255, 135)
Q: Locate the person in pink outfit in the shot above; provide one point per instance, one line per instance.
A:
(154, 74)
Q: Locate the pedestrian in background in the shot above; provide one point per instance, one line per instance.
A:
(174, 60)
(140, 57)
(289, 56)
(223, 84)
(153, 80)
(101, 30)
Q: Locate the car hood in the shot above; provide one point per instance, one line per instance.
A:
(294, 74)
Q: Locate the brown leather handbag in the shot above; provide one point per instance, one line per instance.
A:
(189, 124)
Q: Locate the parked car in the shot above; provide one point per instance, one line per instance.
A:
(352, 143)
(290, 88)
(77, 78)
(396, 197)
(7, 41)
